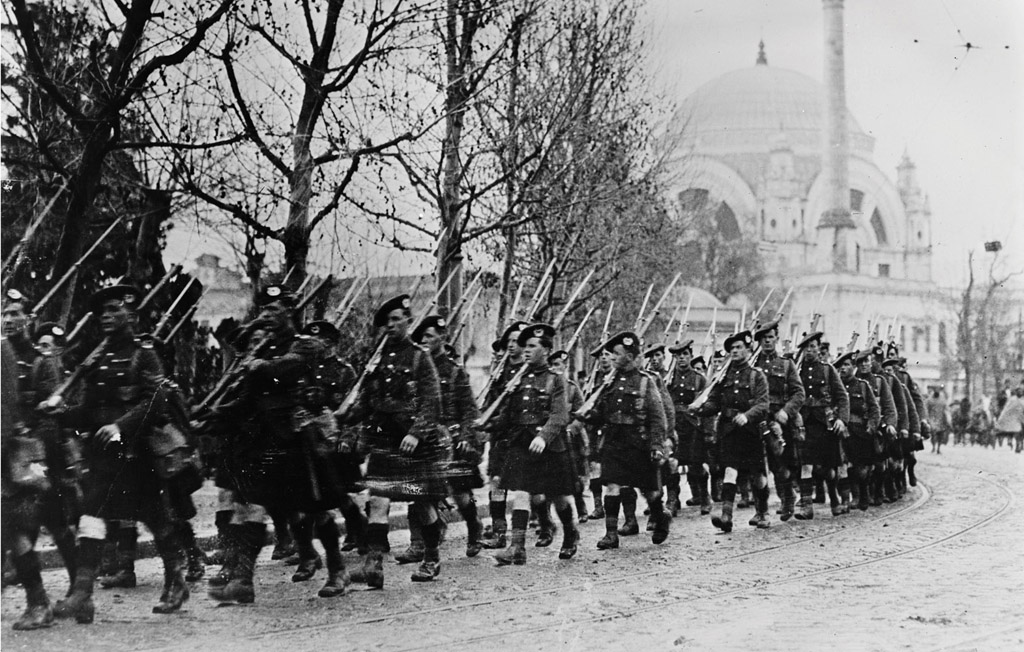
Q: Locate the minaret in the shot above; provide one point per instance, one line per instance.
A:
(836, 224)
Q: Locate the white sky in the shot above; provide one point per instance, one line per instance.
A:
(907, 83)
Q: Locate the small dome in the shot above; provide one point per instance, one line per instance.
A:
(744, 110)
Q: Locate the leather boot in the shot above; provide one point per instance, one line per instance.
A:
(240, 587)
(124, 572)
(373, 564)
(581, 507)
(195, 567)
(337, 579)
(308, 568)
(911, 463)
(430, 567)
(284, 546)
(693, 481)
(610, 540)
(844, 494)
(499, 527)
(805, 508)
(662, 522)
(546, 534)
(597, 491)
(819, 492)
(414, 553)
(38, 613)
(716, 488)
(516, 552)
(780, 491)
(760, 519)
(877, 491)
(862, 489)
(231, 545)
(628, 500)
(474, 529)
(833, 497)
(788, 496)
(68, 549)
(570, 542)
(724, 520)
(222, 520)
(79, 604)
(355, 527)
(705, 496)
(744, 491)
(175, 589)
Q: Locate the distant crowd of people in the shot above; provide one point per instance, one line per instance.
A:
(991, 421)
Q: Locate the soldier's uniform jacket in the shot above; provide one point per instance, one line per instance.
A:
(539, 405)
(331, 380)
(826, 397)
(666, 404)
(404, 388)
(899, 399)
(498, 386)
(122, 388)
(25, 356)
(578, 436)
(865, 414)
(742, 389)
(283, 376)
(785, 389)
(915, 398)
(631, 412)
(459, 411)
(886, 404)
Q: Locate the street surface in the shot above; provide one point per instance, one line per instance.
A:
(941, 570)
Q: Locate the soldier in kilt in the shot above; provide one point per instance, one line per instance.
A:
(825, 413)
(407, 451)
(916, 441)
(579, 442)
(910, 438)
(635, 443)
(537, 464)
(741, 402)
(887, 429)
(459, 414)
(507, 348)
(603, 360)
(122, 404)
(685, 385)
(865, 415)
(786, 395)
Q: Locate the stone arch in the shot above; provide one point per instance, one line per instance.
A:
(722, 184)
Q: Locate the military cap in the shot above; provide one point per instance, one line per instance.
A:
(825, 344)
(742, 336)
(128, 295)
(850, 355)
(629, 341)
(16, 296)
(813, 337)
(512, 329)
(890, 362)
(657, 348)
(682, 346)
(545, 332)
(437, 322)
(53, 330)
(892, 349)
(878, 350)
(401, 302)
(324, 329)
(597, 351)
(451, 351)
(719, 354)
(765, 329)
(863, 356)
(560, 355)
(699, 360)
(274, 294)
(496, 346)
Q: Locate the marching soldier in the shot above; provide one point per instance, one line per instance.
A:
(604, 365)
(786, 395)
(825, 413)
(459, 414)
(908, 440)
(887, 429)
(865, 416)
(684, 386)
(507, 347)
(400, 403)
(537, 464)
(123, 401)
(915, 443)
(669, 475)
(631, 415)
(741, 402)
(579, 442)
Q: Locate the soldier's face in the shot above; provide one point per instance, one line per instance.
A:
(514, 350)
(557, 366)
(739, 352)
(701, 367)
(621, 358)
(275, 315)
(658, 360)
(397, 324)
(534, 353)
(114, 317)
(812, 351)
(769, 340)
(432, 340)
(605, 361)
(47, 346)
(846, 370)
(684, 358)
(864, 366)
(15, 319)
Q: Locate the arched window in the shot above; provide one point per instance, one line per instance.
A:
(879, 227)
(726, 221)
(856, 200)
(693, 199)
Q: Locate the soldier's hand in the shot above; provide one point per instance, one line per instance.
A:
(776, 428)
(657, 456)
(463, 447)
(345, 447)
(740, 419)
(782, 417)
(109, 434)
(538, 445)
(904, 433)
(890, 430)
(839, 427)
(55, 407)
(409, 444)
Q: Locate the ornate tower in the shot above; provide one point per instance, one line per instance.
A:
(834, 239)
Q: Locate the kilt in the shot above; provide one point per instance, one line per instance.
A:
(496, 455)
(821, 447)
(421, 475)
(626, 460)
(122, 488)
(861, 448)
(551, 473)
(465, 471)
(691, 440)
(740, 448)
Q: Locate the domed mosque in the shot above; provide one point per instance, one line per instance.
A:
(779, 159)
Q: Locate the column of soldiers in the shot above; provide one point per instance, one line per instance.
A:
(296, 426)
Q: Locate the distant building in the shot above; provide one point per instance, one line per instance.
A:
(228, 293)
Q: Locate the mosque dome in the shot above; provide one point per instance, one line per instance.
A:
(745, 110)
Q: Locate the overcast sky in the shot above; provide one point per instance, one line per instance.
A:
(908, 83)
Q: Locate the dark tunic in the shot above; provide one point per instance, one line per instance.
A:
(684, 386)
(863, 445)
(331, 382)
(459, 414)
(499, 442)
(887, 407)
(785, 392)
(826, 401)
(538, 406)
(123, 388)
(742, 390)
(579, 440)
(402, 396)
(631, 415)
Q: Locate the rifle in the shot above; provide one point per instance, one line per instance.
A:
(11, 263)
(57, 396)
(684, 329)
(74, 268)
(657, 307)
(349, 300)
(513, 382)
(515, 300)
(592, 379)
(465, 315)
(643, 307)
(457, 309)
(378, 353)
(184, 318)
